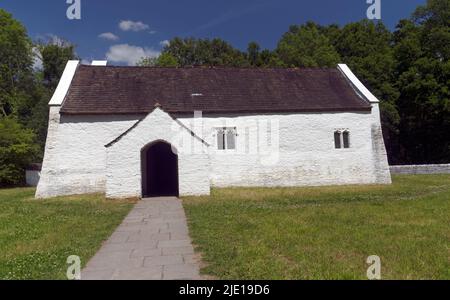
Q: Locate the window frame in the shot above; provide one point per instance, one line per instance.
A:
(225, 131)
(339, 136)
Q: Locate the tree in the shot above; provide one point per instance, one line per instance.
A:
(253, 54)
(204, 52)
(38, 116)
(17, 150)
(147, 62)
(15, 63)
(423, 71)
(54, 56)
(167, 60)
(269, 59)
(164, 60)
(306, 46)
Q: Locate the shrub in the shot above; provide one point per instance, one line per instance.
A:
(17, 150)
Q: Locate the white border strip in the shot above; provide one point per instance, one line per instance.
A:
(357, 84)
(64, 83)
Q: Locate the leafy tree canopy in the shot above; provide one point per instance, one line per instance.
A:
(15, 63)
(423, 71)
(54, 55)
(163, 60)
(193, 52)
(306, 46)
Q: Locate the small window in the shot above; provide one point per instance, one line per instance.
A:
(226, 138)
(337, 139)
(221, 139)
(231, 139)
(346, 138)
(342, 139)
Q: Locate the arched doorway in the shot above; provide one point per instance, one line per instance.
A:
(159, 170)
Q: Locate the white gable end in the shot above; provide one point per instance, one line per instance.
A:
(124, 169)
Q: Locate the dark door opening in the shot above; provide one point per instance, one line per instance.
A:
(159, 170)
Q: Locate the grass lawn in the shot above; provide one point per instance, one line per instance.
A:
(37, 236)
(325, 232)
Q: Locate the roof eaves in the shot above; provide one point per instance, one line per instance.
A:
(368, 107)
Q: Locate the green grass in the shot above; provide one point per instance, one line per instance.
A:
(325, 232)
(37, 236)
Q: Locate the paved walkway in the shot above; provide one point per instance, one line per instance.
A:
(152, 243)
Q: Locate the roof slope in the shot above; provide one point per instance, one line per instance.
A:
(130, 90)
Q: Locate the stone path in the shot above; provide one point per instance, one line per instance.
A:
(152, 243)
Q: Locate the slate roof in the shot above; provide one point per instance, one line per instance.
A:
(136, 90)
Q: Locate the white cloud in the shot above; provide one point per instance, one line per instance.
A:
(129, 54)
(128, 25)
(109, 36)
(164, 43)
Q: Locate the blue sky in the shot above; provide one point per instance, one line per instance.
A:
(150, 22)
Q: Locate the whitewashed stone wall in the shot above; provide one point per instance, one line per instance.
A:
(421, 169)
(76, 159)
(305, 153)
(123, 172)
(75, 154)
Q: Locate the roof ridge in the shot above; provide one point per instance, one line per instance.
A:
(210, 67)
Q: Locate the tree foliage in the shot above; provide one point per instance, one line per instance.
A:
(24, 95)
(306, 46)
(54, 56)
(422, 54)
(204, 52)
(163, 60)
(15, 63)
(17, 150)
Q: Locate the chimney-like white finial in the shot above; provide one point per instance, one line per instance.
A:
(99, 63)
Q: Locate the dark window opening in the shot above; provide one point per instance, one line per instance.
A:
(221, 140)
(346, 138)
(337, 139)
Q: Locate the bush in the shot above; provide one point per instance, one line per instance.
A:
(17, 150)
